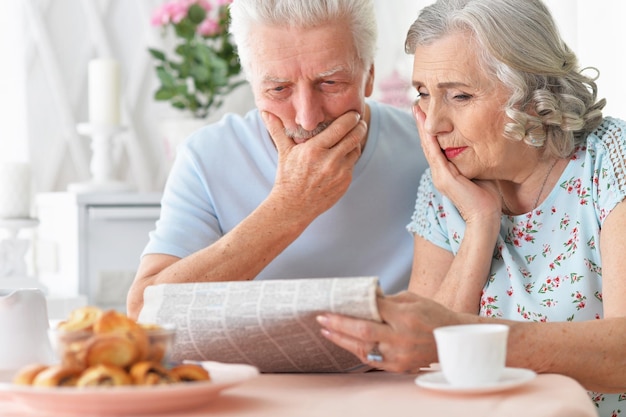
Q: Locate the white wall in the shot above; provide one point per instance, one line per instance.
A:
(13, 131)
(594, 30)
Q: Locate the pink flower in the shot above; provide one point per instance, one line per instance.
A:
(209, 27)
(172, 12)
(223, 2)
(206, 5)
(160, 17)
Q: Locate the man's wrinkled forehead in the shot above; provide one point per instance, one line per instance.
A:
(268, 77)
(281, 42)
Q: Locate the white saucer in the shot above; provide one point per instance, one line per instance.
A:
(511, 377)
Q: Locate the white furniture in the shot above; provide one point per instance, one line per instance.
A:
(90, 243)
(13, 268)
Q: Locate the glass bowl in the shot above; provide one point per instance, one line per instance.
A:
(73, 348)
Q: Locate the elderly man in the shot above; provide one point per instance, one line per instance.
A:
(315, 182)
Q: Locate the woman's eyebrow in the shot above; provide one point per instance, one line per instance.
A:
(449, 84)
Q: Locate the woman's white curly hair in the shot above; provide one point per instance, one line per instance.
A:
(553, 103)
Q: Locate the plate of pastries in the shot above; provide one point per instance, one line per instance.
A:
(108, 364)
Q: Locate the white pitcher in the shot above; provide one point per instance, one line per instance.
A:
(23, 330)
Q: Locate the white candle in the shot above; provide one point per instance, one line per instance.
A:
(104, 92)
(15, 190)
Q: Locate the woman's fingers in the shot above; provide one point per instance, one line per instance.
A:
(404, 339)
(430, 145)
(355, 335)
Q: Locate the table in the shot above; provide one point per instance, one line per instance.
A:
(382, 394)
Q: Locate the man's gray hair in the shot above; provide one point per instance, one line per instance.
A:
(358, 14)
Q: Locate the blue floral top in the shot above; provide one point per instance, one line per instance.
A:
(546, 264)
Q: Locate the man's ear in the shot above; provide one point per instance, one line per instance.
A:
(369, 82)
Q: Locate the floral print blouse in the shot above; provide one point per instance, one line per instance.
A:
(546, 264)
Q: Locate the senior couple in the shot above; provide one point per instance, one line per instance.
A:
(519, 218)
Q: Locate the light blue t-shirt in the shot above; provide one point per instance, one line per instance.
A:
(546, 264)
(225, 170)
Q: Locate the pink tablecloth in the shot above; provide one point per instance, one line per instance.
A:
(381, 394)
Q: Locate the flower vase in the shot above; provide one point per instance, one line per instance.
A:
(175, 130)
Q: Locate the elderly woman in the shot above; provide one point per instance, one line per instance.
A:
(521, 216)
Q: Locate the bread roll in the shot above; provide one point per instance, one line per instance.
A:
(81, 319)
(190, 373)
(114, 322)
(27, 374)
(104, 375)
(57, 376)
(151, 373)
(110, 349)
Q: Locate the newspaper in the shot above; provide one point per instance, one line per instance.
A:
(269, 323)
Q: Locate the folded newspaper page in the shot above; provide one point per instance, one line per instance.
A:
(269, 323)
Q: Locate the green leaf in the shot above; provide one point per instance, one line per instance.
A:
(165, 77)
(157, 54)
(163, 94)
(201, 74)
(184, 70)
(204, 54)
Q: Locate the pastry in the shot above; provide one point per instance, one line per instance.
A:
(114, 322)
(81, 319)
(104, 375)
(189, 372)
(109, 349)
(57, 376)
(160, 341)
(151, 373)
(73, 353)
(27, 374)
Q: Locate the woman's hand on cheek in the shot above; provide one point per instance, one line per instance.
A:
(437, 161)
(476, 200)
(446, 176)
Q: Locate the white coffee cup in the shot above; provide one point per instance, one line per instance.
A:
(471, 355)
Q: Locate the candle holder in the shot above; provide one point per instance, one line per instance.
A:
(102, 165)
(13, 270)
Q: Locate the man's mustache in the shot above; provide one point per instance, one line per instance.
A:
(300, 133)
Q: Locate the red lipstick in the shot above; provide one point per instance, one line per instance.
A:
(454, 152)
